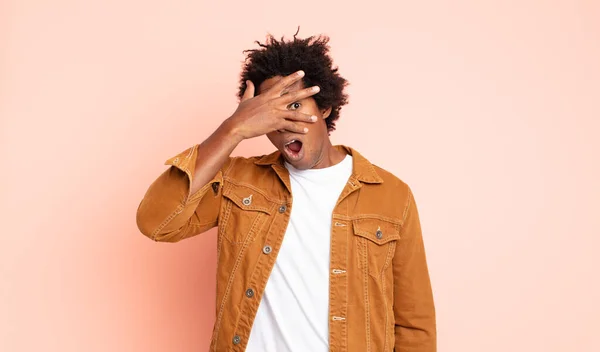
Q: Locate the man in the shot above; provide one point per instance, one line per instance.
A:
(318, 249)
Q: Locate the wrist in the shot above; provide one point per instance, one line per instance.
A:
(231, 132)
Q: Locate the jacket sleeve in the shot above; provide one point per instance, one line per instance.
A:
(169, 213)
(414, 310)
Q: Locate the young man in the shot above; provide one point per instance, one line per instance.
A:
(318, 249)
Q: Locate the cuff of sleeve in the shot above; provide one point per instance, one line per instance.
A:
(186, 162)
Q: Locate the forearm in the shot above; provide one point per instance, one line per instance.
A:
(213, 153)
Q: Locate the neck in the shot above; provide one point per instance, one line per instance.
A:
(329, 156)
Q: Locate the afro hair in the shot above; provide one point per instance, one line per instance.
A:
(282, 58)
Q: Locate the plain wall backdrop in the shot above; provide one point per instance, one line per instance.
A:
(490, 110)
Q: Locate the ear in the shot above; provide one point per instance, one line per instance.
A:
(326, 112)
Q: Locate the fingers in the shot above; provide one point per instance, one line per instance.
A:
(249, 92)
(297, 95)
(293, 127)
(296, 116)
(286, 82)
(290, 121)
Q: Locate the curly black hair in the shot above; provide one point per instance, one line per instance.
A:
(282, 58)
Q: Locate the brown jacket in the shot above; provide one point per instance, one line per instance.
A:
(380, 293)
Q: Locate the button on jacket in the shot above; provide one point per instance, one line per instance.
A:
(380, 293)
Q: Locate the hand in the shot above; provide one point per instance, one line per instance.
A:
(267, 112)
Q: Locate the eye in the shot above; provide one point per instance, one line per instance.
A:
(294, 106)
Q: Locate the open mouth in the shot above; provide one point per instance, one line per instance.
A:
(293, 149)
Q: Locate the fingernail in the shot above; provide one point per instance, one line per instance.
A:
(305, 129)
(316, 88)
(313, 118)
(300, 73)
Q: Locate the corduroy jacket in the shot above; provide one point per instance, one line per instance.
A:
(380, 296)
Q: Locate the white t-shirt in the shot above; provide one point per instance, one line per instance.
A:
(293, 313)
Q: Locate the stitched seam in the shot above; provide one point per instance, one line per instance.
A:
(367, 216)
(385, 331)
(272, 221)
(184, 166)
(204, 226)
(233, 161)
(259, 214)
(388, 258)
(192, 149)
(330, 310)
(237, 263)
(228, 289)
(377, 177)
(345, 326)
(220, 235)
(383, 282)
(254, 188)
(221, 229)
(376, 216)
(246, 207)
(199, 193)
(347, 192)
(407, 207)
(253, 277)
(369, 236)
(189, 175)
(166, 221)
(366, 293)
(229, 207)
(211, 223)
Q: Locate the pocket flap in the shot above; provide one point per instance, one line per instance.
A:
(376, 230)
(247, 198)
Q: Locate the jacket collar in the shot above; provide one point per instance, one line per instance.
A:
(362, 169)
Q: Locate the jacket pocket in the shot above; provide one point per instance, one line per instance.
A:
(246, 212)
(375, 242)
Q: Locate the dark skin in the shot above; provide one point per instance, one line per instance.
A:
(317, 151)
(282, 110)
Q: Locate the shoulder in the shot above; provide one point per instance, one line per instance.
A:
(384, 179)
(390, 186)
(392, 183)
(389, 178)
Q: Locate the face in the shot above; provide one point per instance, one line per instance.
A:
(308, 150)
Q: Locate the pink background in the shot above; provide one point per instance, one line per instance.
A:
(490, 110)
